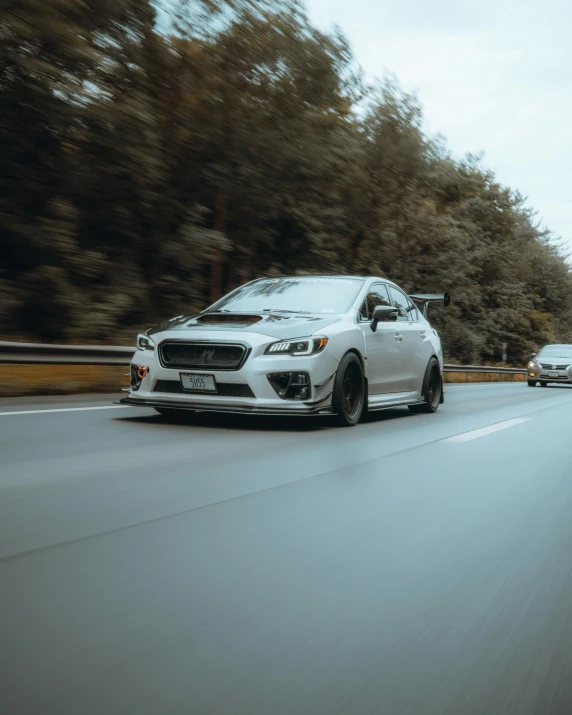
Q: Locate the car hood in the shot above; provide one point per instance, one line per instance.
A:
(552, 360)
(280, 326)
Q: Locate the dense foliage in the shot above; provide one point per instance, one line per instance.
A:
(145, 169)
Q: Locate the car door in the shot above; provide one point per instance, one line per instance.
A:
(381, 347)
(414, 341)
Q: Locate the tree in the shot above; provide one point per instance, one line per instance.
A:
(145, 169)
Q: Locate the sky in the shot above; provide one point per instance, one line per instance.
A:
(492, 76)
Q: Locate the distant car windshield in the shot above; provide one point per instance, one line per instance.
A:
(311, 294)
(557, 351)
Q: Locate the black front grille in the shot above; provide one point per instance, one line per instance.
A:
(224, 389)
(229, 389)
(173, 386)
(202, 356)
(554, 367)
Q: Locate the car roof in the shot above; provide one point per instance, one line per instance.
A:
(330, 275)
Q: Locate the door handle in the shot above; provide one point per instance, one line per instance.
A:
(399, 338)
(422, 334)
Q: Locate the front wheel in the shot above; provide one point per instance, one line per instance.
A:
(532, 383)
(349, 393)
(432, 390)
(543, 384)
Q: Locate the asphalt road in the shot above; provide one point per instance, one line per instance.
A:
(416, 564)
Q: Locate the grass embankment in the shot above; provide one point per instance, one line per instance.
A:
(22, 380)
(482, 377)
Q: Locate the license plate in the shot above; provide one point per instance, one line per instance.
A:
(192, 382)
(553, 373)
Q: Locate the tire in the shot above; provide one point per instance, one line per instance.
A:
(432, 390)
(348, 399)
(543, 384)
(532, 383)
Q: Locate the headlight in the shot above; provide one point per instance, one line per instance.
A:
(144, 342)
(532, 364)
(300, 346)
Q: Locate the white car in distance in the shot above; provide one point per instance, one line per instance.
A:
(553, 364)
(299, 345)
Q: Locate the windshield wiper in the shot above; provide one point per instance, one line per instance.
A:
(281, 310)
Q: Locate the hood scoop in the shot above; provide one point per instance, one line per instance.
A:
(233, 319)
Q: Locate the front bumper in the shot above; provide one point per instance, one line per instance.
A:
(246, 391)
(541, 375)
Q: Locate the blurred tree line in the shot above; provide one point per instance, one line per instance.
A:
(146, 168)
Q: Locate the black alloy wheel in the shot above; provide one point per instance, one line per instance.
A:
(432, 390)
(349, 394)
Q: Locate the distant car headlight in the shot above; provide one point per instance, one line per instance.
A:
(144, 342)
(300, 346)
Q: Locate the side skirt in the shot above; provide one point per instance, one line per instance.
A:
(382, 402)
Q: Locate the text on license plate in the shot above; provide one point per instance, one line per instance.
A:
(198, 383)
(553, 373)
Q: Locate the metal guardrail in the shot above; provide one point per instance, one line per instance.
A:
(486, 369)
(37, 353)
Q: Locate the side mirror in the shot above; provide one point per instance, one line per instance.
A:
(383, 314)
(533, 355)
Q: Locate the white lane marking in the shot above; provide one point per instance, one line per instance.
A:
(64, 409)
(483, 431)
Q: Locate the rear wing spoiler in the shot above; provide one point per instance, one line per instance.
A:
(424, 300)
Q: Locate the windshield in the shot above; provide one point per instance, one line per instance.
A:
(557, 351)
(315, 294)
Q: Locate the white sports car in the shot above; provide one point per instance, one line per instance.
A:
(298, 345)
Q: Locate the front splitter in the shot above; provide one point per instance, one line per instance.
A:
(231, 409)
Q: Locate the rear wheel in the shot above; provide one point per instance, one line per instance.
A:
(532, 383)
(349, 393)
(432, 389)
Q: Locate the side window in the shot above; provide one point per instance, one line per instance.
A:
(413, 312)
(407, 310)
(377, 296)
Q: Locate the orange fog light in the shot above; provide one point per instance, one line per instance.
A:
(142, 372)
